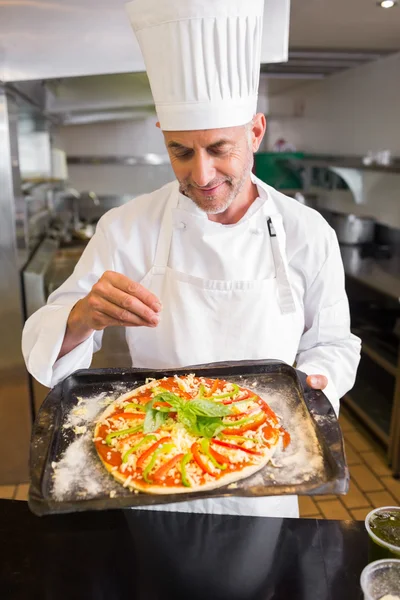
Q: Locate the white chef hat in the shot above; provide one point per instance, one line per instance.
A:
(202, 58)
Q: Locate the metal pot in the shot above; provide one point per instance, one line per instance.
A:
(351, 229)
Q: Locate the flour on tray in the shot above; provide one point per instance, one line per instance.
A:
(78, 473)
(302, 460)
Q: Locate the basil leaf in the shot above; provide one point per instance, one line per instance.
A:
(189, 420)
(209, 426)
(171, 398)
(154, 418)
(207, 408)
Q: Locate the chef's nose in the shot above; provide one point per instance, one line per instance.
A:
(203, 170)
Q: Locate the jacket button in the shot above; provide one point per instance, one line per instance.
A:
(181, 225)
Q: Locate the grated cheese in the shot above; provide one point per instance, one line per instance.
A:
(127, 481)
(79, 429)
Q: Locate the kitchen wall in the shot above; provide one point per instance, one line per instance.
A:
(122, 138)
(349, 113)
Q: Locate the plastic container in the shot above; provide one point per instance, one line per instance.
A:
(381, 578)
(378, 547)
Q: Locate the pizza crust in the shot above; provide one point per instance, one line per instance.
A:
(155, 489)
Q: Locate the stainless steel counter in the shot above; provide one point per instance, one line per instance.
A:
(381, 274)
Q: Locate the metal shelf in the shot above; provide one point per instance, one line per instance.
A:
(150, 159)
(346, 162)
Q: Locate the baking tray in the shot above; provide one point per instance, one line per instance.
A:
(67, 475)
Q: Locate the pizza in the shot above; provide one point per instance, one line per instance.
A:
(186, 434)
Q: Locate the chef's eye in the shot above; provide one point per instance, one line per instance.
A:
(184, 155)
(217, 151)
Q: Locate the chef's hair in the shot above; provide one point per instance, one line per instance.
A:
(248, 128)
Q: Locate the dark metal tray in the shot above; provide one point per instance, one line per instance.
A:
(314, 462)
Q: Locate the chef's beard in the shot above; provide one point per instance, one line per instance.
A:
(223, 197)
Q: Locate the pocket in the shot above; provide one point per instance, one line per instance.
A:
(334, 322)
(222, 285)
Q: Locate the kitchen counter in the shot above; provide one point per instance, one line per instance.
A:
(160, 555)
(381, 274)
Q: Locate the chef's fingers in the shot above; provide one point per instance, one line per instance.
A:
(124, 302)
(110, 322)
(133, 289)
(102, 309)
(317, 382)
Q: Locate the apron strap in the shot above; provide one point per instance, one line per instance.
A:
(166, 229)
(277, 237)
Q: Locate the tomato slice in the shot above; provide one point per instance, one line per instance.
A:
(196, 455)
(247, 427)
(143, 457)
(235, 447)
(163, 470)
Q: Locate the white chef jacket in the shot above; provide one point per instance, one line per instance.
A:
(126, 241)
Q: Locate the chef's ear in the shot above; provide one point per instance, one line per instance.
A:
(158, 125)
(259, 126)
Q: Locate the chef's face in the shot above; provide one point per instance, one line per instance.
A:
(213, 165)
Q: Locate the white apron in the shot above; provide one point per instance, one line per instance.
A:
(206, 321)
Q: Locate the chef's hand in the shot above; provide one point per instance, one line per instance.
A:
(113, 300)
(117, 300)
(317, 382)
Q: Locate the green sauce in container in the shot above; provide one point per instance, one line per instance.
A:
(383, 526)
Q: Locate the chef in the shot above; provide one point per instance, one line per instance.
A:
(217, 265)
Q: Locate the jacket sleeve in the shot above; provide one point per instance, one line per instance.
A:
(44, 331)
(327, 346)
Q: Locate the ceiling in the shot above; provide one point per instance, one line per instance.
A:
(42, 39)
(345, 24)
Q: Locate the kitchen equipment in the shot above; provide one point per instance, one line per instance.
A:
(351, 229)
(90, 212)
(61, 459)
